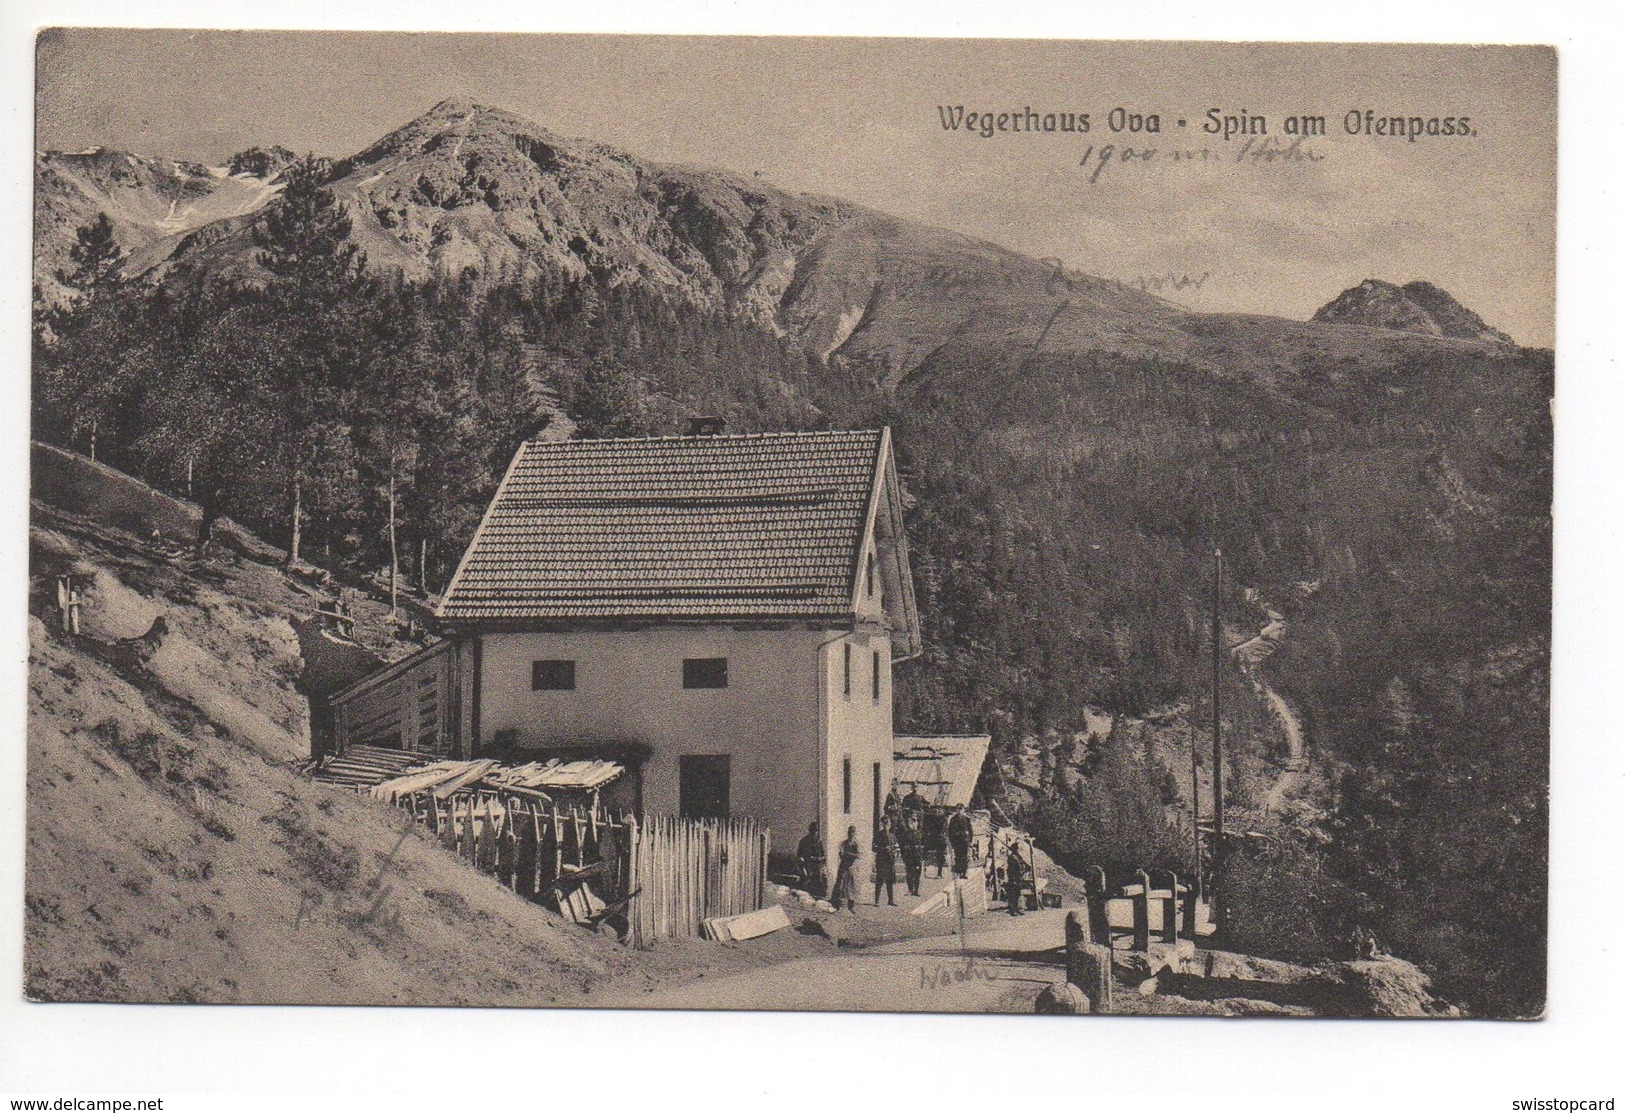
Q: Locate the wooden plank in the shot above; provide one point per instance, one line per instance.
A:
(474, 771)
(750, 925)
(558, 845)
(536, 851)
(448, 828)
(486, 858)
(416, 780)
(507, 849)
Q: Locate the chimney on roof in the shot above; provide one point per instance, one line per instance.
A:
(706, 426)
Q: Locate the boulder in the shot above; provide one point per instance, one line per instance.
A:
(114, 612)
(1063, 999)
(1388, 986)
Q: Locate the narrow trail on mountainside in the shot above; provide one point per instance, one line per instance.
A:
(1250, 654)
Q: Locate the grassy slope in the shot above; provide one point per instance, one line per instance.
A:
(174, 854)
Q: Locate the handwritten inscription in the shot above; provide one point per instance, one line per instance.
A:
(947, 974)
(1265, 152)
(1062, 279)
(1157, 283)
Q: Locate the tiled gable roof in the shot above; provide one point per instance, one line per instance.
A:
(759, 526)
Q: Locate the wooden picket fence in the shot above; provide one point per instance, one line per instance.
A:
(527, 844)
(672, 873)
(686, 870)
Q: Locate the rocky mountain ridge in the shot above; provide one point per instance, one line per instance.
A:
(153, 203)
(467, 189)
(1418, 307)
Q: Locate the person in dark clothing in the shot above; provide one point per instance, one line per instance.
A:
(914, 803)
(810, 857)
(846, 885)
(909, 845)
(885, 865)
(1015, 872)
(937, 839)
(959, 837)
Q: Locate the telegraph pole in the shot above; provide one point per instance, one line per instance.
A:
(1218, 747)
(1196, 817)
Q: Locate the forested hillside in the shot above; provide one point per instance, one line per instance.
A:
(1073, 453)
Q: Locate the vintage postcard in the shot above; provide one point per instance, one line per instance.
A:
(801, 524)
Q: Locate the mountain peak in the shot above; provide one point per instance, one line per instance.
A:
(1418, 306)
(460, 113)
(454, 120)
(454, 106)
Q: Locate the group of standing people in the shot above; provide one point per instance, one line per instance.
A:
(900, 833)
(903, 832)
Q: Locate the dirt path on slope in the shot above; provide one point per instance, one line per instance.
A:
(1000, 966)
(1005, 962)
(1297, 763)
(1250, 654)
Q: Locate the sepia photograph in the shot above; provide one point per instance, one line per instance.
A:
(792, 524)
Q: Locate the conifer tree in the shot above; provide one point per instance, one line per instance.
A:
(84, 381)
(315, 302)
(97, 258)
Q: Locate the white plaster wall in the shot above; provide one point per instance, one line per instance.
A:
(869, 607)
(629, 688)
(858, 726)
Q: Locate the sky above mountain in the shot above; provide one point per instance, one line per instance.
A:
(860, 119)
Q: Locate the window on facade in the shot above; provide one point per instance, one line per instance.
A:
(705, 672)
(552, 676)
(869, 576)
(846, 785)
(846, 670)
(877, 676)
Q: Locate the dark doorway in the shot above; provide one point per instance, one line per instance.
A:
(702, 786)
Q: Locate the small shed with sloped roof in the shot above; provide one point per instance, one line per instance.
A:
(943, 767)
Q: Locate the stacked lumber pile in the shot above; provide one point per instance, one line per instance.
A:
(441, 779)
(361, 767)
(585, 776)
(392, 775)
